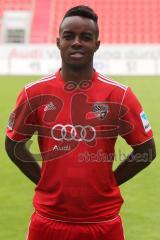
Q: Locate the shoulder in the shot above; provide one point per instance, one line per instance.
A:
(108, 81)
(115, 90)
(40, 83)
(40, 87)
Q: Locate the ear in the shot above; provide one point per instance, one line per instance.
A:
(58, 42)
(97, 45)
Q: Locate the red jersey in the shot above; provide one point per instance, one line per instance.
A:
(77, 127)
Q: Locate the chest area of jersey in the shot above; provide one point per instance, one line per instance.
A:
(81, 117)
(81, 108)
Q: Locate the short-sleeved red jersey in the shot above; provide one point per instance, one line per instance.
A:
(77, 127)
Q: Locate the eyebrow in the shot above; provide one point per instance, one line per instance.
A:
(69, 31)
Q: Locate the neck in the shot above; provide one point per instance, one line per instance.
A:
(75, 74)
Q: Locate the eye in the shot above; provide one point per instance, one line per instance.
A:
(87, 37)
(68, 36)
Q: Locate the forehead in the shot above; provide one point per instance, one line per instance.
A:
(78, 24)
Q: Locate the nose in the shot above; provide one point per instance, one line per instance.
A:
(76, 42)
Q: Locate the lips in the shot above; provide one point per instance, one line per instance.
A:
(77, 54)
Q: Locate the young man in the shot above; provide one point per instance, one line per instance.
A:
(78, 115)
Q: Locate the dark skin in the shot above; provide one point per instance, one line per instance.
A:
(23, 159)
(141, 156)
(77, 42)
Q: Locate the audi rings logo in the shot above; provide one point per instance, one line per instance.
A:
(69, 132)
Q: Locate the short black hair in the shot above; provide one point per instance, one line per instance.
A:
(82, 11)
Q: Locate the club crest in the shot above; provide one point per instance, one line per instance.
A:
(100, 110)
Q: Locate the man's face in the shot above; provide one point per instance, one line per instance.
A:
(77, 41)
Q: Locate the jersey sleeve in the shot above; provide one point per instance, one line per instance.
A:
(22, 120)
(132, 116)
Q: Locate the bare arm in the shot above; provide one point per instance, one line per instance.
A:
(139, 159)
(23, 159)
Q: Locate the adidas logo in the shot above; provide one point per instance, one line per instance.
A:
(49, 106)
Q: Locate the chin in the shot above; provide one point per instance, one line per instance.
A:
(77, 66)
